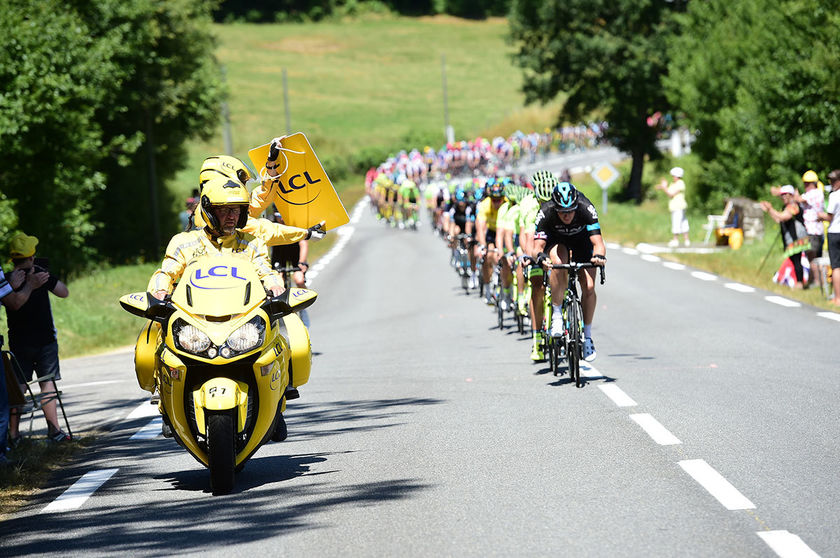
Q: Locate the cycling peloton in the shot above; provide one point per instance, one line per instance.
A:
(568, 225)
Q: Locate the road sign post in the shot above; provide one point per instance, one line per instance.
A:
(605, 174)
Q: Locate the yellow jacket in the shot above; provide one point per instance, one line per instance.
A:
(273, 234)
(187, 246)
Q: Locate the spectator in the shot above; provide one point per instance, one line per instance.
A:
(832, 214)
(813, 203)
(794, 236)
(12, 299)
(186, 215)
(32, 336)
(677, 206)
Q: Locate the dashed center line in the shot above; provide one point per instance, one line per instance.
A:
(781, 301)
(617, 395)
(787, 545)
(74, 497)
(716, 485)
(655, 430)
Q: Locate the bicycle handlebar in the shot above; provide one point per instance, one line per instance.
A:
(286, 269)
(576, 266)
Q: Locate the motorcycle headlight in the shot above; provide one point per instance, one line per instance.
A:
(247, 337)
(192, 339)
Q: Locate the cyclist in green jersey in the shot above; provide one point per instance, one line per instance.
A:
(544, 182)
(408, 195)
(507, 233)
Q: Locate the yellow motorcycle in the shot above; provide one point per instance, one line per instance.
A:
(221, 355)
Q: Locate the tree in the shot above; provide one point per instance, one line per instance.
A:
(607, 56)
(79, 83)
(761, 84)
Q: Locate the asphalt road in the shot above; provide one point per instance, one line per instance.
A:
(424, 430)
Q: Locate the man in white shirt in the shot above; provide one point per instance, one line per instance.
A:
(832, 215)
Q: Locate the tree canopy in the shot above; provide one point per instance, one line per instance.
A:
(760, 82)
(607, 56)
(83, 84)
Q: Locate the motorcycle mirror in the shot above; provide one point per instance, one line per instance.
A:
(135, 303)
(292, 300)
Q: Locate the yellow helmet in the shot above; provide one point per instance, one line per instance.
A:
(810, 176)
(226, 166)
(223, 191)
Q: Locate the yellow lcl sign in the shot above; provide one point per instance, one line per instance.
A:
(302, 192)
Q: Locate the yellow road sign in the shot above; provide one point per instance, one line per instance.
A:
(605, 174)
(303, 193)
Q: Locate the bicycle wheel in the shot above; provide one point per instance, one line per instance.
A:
(574, 347)
(500, 312)
(520, 323)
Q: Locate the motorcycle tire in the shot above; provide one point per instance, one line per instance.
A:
(221, 451)
(280, 431)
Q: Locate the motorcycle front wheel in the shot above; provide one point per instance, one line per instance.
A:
(221, 449)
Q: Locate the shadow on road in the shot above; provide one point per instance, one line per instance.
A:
(264, 503)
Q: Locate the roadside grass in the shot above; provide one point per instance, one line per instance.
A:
(34, 460)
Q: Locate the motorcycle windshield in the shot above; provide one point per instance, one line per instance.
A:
(219, 286)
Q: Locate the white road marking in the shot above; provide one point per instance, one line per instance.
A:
(703, 276)
(651, 258)
(829, 316)
(674, 265)
(145, 409)
(617, 395)
(87, 384)
(716, 485)
(630, 251)
(655, 430)
(786, 544)
(74, 497)
(150, 431)
(740, 288)
(781, 301)
(613, 246)
(344, 233)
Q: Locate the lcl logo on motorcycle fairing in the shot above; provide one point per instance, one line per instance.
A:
(298, 182)
(215, 272)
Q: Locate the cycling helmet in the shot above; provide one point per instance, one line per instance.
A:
(496, 190)
(223, 165)
(544, 182)
(460, 195)
(223, 191)
(565, 195)
(513, 193)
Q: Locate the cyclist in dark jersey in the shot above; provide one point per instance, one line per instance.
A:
(568, 225)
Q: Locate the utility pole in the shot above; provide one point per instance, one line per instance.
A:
(286, 103)
(150, 145)
(226, 133)
(447, 130)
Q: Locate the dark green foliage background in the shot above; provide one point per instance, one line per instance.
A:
(82, 83)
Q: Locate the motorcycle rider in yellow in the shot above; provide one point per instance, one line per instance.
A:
(272, 233)
(267, 193)
(223, 208)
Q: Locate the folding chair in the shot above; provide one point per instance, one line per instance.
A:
(21, 397)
